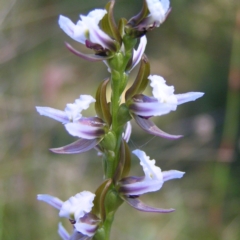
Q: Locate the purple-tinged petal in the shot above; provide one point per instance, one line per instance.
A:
(172, 174)
(87, 225)
(150, 106)
(62, 232)
(53, 201)
(96, 35)
(88, 57)
(151, 128)
(135, 186)
(66, 25)
(53, 113)
(128, 131)
(79, 146)
(187, 97)
(86, 229)
(79, 236)
(85, 131)
(139, 205)
(148, 109)
(137, 54)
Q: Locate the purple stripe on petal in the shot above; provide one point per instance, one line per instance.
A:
(139, 205)
(187, 97)
(151, 128)
(88, 57)
(53, 113)
(100, 37)
(81, 145)
(53, 201)
(140, 188)
(137, 54)
(84, 131)
(79, 236)
(147, 109)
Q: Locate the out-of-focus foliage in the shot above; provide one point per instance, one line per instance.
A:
(195, 49)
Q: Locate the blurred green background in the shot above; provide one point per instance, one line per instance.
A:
(196, 49)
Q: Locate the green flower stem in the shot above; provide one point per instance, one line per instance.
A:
(119, 78)
(118, 83)
(108, 224)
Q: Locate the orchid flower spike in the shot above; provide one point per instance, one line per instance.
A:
(163, 101)
(90, 130)
(78, 210)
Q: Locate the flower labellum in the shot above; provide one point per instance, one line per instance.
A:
(158, 11)
(77, 206)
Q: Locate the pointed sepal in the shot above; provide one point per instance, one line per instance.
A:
(140, 206)
(101, 104)
(88, 57)
(148, 126)
(53, 201)
(121, 26)
(62, 232)
(127, 163)
(99, 206)
(141, 80)
(124, 163)
(140, 16)
(79, 146)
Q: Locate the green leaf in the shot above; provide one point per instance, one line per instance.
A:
(141, 80)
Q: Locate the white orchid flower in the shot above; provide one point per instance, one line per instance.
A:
(151, 182)
(87, 29)
(90, 130)
(78, 210)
